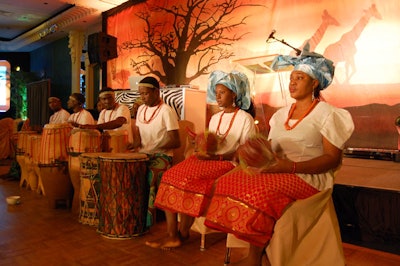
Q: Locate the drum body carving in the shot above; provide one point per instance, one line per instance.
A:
(123, 195)
(80, 141)
(89, 188)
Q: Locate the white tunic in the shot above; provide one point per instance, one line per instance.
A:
(242, 128)
(119, 110)
(153, 132)
(304, 142)
(83, 117)
(59, 117)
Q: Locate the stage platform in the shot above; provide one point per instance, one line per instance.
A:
(369, 173)
(367, 199)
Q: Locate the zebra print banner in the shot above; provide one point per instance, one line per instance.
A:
(171, 96)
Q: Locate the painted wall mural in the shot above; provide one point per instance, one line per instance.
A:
(183, 41)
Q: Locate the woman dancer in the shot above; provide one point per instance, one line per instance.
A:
(186, 187)
(307, 137)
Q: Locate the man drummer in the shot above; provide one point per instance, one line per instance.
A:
(156, 134)
(60, 115)
(114, 116)
(80, 116)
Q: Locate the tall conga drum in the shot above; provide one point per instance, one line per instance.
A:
(31, 152)
(55, 138)
(22, 143)
(115, 141)
(89, 188)
(123, 195)
(80, 141)
(84, 140)
(53, 164)
(36, 148)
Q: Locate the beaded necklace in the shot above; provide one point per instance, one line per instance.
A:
(229, 128)
(154, 114)
(77, 117)
(314, 103)
(109, 117)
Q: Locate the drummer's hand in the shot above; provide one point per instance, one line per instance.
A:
(74, 124)
(132, 147)
(88, 126)
(203, 156)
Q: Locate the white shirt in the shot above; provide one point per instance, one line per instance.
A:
(304, 142)
(83, 117)
(59, 117)
(242, 128)
(119, 110)
(154, 130)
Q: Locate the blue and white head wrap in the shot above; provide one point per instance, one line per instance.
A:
(234, 81)
(313, 64)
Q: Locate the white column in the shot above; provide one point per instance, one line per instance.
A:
(76, 42)
(89, 78)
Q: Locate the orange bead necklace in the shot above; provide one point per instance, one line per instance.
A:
(77, 116)
(153, 115)
(223, 136)
(292, 108)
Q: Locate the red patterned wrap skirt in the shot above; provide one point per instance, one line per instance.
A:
(186, 187)
(248, 205)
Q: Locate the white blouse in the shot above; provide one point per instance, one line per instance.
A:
(242, 128)
(304, 142)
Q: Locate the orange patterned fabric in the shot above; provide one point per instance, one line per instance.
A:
(248, 205)
(186, 187)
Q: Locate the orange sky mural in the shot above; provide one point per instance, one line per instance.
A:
(361, 37)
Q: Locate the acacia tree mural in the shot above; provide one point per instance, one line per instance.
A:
(202, 28)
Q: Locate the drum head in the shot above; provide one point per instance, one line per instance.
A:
(90, 132)
(123, 156)
(115, 133)
(91, 155)
(54, 126)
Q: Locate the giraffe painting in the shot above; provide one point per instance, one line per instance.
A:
(327, 20)
(345, 49)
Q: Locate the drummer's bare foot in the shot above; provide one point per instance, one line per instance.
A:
(165, 243)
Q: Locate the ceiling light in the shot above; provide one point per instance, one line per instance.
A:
(43, 33)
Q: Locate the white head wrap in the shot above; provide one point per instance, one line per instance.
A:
(313, 64)
(235, 81)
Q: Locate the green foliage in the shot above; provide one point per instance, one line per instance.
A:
(18, 82)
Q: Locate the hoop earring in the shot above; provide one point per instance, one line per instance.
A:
(312, 95)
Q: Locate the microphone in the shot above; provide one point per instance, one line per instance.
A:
(271, 35)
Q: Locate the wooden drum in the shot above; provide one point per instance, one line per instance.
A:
(115, 141)
(36, 141)
(53, 164)
(22, 146)
(31, 157)
(80, 141)
(54, 143)
(84, 140)
(123, 195)
(89, 188)
(22, 142)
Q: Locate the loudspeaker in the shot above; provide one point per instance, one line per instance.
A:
(101, 47)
